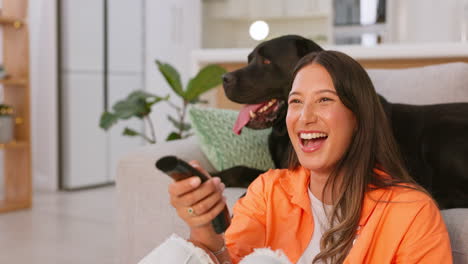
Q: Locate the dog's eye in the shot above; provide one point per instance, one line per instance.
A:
(266, 61)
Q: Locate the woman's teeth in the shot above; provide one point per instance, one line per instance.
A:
(312, 135)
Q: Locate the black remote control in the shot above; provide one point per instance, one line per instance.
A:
(178, 170)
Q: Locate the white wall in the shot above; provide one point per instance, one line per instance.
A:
(43, 75)
(428, 20)
(172, 31)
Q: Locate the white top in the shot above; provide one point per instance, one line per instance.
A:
(321, 224)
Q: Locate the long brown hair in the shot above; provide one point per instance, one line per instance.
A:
(372, 144)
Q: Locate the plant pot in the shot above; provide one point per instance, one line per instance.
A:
(6, 128)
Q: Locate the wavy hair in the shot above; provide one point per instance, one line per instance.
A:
(372, 145)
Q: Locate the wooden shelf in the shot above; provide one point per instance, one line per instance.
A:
(12, 81)
(11, 21)
(6, 206)
(13, 144)
(16, 166)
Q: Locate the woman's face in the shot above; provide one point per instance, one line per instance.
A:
(319, 124)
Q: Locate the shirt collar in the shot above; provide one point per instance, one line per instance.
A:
(296, 184)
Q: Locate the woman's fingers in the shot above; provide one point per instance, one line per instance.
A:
(178, 188)
(197, 166)
(199, 193)
(208, 202)
(199, 220)
(197, 203)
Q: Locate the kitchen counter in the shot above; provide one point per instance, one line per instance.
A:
(379, 52)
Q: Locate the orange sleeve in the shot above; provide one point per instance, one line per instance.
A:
(427, 239)
(247, 230)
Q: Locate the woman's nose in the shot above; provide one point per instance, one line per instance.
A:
(309, 114)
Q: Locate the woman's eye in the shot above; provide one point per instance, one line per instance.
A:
(266, 61)
(294, 101)
(324, 99)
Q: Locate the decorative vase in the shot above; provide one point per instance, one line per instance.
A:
(6, 123)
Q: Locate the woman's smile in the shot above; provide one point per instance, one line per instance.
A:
(311, 141)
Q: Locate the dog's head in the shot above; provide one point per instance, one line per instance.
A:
(264, 84)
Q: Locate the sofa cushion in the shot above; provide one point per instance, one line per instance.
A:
(456, 221)
(433, 84)
(222, 147)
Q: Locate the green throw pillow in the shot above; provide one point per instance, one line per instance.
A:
(222, 147)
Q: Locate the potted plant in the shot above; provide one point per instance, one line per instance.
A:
(140, 103)
(6, 123)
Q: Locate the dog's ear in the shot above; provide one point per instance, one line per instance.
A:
(305, 46)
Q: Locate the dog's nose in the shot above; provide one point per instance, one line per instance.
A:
(228, 79)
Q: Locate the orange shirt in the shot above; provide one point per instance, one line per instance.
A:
(276, 213)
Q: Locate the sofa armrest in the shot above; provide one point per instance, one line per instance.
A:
(145, 217)
(456, 221)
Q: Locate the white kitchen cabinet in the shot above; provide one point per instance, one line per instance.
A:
(101, 63)
(84, 144)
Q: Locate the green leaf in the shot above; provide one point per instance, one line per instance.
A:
(130, 132)
(144, 95)
(172, 77)
(209, 77)
(107, 120)
(137, 103)
(156, 99)
(179, 125)
(126, 109)
(173, 136)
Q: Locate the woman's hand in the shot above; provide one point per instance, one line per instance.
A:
(197, 204)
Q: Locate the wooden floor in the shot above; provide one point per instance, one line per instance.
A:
(61, 227)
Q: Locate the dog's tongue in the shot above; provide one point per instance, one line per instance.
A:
(244, 117)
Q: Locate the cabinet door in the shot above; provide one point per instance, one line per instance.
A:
(82, 35)
(102, 62)
(83, 143)
(125, 72)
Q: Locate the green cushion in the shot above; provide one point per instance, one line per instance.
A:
(222, 147)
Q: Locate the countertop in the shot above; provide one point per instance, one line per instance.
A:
(384, 51)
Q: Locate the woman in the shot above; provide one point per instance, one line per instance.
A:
(346, 197)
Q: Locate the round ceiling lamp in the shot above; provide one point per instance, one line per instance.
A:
(259, 30)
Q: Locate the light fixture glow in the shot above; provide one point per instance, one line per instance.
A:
(259, 30)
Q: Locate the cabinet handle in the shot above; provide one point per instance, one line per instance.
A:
(17, 24)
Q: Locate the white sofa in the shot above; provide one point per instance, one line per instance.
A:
(145, 217)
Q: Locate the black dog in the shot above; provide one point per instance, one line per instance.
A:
(432, 138)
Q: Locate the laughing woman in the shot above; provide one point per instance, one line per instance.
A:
(346, 197)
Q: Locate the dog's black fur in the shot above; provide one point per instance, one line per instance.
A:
(433, 138)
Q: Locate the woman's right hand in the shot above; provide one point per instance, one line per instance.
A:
(197, 204)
